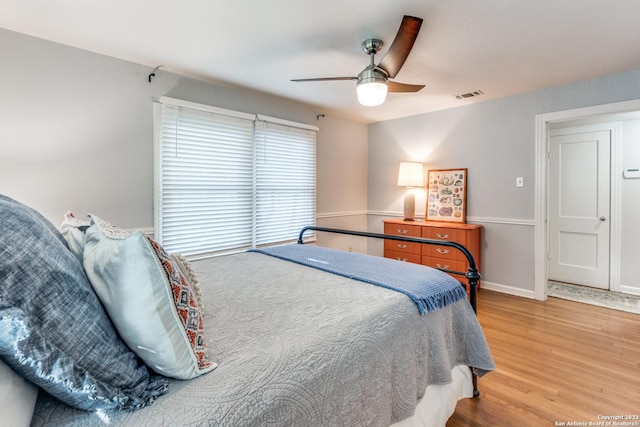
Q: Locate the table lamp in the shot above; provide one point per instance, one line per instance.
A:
(411, 175)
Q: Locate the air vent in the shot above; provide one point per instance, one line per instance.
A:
(469, 95)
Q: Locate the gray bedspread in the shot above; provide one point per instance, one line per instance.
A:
(301, 347)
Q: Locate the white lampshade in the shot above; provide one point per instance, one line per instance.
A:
(411, 174)
(372, 93)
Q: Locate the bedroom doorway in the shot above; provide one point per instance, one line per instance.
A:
(579, 183)
(546, 122)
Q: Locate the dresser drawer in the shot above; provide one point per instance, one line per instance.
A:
(451, 234)
(404, 247)
(403, 230)
(448, 265)
(454, 265)
(402, 256)
(444, 252)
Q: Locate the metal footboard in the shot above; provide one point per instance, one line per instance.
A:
(472, 274)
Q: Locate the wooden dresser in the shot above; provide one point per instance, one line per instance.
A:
(468, 235)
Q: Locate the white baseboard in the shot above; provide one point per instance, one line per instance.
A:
(629, 290)
(490, 286)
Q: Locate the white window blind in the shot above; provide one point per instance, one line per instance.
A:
(285, 182)
(227, 182)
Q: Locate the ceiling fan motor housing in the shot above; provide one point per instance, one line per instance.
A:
(372, 46)
(372, 74)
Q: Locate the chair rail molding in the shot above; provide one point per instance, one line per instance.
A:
(470, 219)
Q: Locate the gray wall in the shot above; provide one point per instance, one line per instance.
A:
(495, 141)
(342, 182)
(76, 133)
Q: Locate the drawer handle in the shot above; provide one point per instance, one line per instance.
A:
(401, 259)
(442, 236)
(402, 246)
(443, 251)
(442, 266)
(402, 231)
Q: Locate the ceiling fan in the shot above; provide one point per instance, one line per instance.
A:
(373, 81)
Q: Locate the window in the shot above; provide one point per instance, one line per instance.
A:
(228, 181)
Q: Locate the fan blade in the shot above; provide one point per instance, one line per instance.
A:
(321, 79)
(401, 46)
(402, 87)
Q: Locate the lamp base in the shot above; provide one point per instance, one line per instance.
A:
(409, 206)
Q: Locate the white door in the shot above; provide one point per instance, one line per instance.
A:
(579, 174)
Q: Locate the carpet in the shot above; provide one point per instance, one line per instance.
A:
(599, 297)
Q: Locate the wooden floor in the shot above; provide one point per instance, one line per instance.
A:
(557, 362)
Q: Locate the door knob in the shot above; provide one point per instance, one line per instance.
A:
(603, 218)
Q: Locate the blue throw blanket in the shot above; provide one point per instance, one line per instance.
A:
(429, 288)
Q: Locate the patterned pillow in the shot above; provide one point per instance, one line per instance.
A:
(53, 329)
(189, 273)
(148, 299)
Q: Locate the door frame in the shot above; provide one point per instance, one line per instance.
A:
(541, 229)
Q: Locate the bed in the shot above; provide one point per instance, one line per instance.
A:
(290, 344)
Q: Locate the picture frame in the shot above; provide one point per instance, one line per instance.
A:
(447, 195)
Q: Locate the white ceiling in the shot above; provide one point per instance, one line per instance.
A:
(501, 47)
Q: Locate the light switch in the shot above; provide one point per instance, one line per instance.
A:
(631, 173)
(519, 181)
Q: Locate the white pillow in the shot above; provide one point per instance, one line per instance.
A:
(17, 398)
(148, 299)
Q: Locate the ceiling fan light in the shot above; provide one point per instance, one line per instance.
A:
(371, 94)
(372, 86)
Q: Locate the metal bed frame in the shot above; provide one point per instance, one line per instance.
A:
(472, 274)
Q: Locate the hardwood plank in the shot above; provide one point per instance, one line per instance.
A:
(557, 361)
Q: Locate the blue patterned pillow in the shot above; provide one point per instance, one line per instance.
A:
(53, 329)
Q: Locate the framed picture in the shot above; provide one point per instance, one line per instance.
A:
(447, 195)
